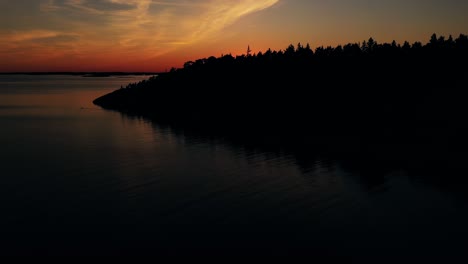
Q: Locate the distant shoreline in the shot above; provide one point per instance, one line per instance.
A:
(84, 74)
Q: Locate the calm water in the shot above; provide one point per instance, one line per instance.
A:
(76, 179)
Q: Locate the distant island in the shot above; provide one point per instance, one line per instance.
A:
(84, 74)
(396, 101)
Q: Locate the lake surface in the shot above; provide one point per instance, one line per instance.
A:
(76, 179)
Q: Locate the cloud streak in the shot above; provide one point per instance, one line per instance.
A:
(31, 35)
(130, 29)
(156, 26)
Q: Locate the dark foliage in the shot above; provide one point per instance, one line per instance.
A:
(393, 101)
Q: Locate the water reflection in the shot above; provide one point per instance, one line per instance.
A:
(90, 181)
(369, 172)
(301, 200)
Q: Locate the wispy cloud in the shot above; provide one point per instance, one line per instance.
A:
(158, 26)
(135, 29)
(219, 14)
(39, 46)
(31, 35)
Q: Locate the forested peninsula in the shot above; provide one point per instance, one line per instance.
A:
(399, 101)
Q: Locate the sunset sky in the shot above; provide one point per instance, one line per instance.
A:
(150, 35)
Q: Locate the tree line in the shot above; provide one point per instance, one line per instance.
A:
(353, 94)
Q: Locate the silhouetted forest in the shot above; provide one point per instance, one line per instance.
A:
(392, 101)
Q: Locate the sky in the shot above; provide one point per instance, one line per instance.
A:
(151, 35)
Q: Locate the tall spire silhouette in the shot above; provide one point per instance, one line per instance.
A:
(248, 50)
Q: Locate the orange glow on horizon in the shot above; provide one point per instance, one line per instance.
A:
(149, 35)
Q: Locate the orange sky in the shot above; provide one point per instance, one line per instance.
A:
(149, 35)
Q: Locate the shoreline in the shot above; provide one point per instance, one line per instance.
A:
(401, 104)
(84, 74)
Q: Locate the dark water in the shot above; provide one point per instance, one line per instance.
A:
(76, 179)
